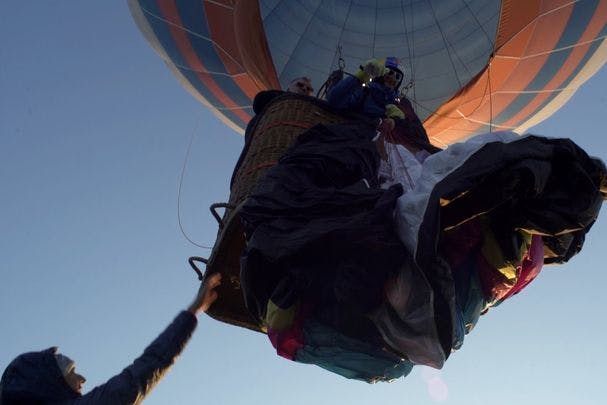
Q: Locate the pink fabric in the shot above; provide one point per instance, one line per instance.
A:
(289, 341)
(494, 284)
(531, 266)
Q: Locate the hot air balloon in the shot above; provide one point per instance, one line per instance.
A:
(474, 66)
(359, 275)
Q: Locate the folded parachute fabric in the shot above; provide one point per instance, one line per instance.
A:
(532, 199)
(320, 238)
(367, 282)
(349, 357)
(543, 186)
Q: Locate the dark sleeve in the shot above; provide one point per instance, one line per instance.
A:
(346, 94)
(135, 382)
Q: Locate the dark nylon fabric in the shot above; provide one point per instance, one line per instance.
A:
(34, 378)
(316, 231)
(545, 186)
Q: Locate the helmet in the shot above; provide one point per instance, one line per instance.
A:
(393, 64)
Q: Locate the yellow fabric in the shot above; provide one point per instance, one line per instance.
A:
(392, 111)
(371, 69)
(362, 76)
(279, 319)
(494, 256)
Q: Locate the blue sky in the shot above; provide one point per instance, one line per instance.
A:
(93, 135)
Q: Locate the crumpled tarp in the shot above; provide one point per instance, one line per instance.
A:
(319, 221)
(320, 235)
(516, 185)
(347, 267)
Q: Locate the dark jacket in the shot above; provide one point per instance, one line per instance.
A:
(371, 100)
(410, 131)
(35, 378)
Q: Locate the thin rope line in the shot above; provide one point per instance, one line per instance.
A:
(374, 32)
(480, 25)
(411, 55)
(301, 38)
(433, 112)
(490, 97)
(447, 44)
(341, 33)
(403, 165)
(185, 162)
(413, 52)
(219, 4)
(215, 44)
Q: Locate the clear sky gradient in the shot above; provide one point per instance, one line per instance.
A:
(93, 135)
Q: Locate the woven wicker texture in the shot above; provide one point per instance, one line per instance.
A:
(280, 123)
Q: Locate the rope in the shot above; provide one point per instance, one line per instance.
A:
(334, 77)
(447, 44)
(341, 33)
(410, 49)
(413, 50)
(185, 162)
(490, 97)
(480, 25)
(432, 112)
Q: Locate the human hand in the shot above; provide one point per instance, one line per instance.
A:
(206, 295)
(386, 126)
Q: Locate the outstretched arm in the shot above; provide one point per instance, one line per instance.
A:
(136, 381)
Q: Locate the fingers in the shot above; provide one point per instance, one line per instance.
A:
(212, 297)
(213, 281)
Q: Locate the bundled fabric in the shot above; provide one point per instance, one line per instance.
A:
(482, 200)
(366, 281)
(320, 238)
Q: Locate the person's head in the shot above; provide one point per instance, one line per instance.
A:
(301, 85)
(68, 370)
(393, 77)
(40, 377)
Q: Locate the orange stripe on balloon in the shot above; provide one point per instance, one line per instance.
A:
(221, 21)
(515, 16)
(593, 29)
(171, 14)
(508, 72)
(253, 45)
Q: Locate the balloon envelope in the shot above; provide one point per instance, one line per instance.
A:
(475, 65)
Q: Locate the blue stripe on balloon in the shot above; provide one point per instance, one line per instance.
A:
(580, 17)
(194, 19)
(195, 82)
(592, 49)
(204, 51)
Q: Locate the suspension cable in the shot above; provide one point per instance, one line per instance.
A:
(185, 162)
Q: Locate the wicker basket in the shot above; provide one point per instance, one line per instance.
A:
(278, 126)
